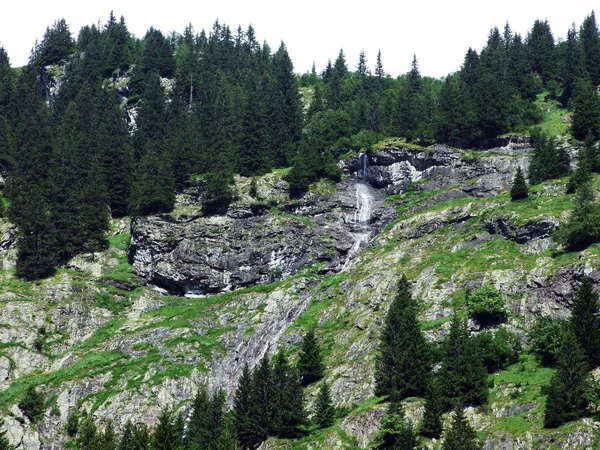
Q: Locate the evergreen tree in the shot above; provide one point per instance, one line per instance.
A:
(460, 436)
(324, 409)
(548, 161)
(32, 404)
(590, 43)
(288, 406)
(108, 440)
(310, 360)
(585, 321)
(243, 411)
(402, 363)
(165, 435)
(462, 375)
(583, 172)
(89, 438)
(56, 45)
(540, 46)
(583, 225)
(519, 188)
(566, 394)
(199, 430)
(431, 426)
(586, 111)
(264, 398)
(574, 68)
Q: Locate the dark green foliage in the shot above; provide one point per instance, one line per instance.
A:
(288, 401)
(590, 45)
(486, 305)
(218, 192)
(586, 111)
(57, 44)
(567, 391)
(324, 410)
(72, 425)
(89, 438)
(310, 360)
(402, 363)
(395, 431)
(154, 189)
(263, 408)
(462, 375)
(548, 161)
(243, 410)
(460, 436)
(585, 321)
(4, 442)
(165, 435)
(583, 226)
(431, 426)
(583, 172)
(519, 189)
(499, 349)
(540, 47)
(32, 404)
(546, 336)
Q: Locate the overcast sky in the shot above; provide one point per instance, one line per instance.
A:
(439, 32)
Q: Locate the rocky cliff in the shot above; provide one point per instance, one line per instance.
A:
(121, 341)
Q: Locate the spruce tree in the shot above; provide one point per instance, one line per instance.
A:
(402, 363)
(567, 392)
(432, 426)
(198, 433)
(165, 435)
(462, 375)
(288, 406)
(460, 436)
(585, 320)
(583, 172)
(243, 411)
(586, 111)
(324, 409)
(264, 398)
(519, 188)
(310, 360)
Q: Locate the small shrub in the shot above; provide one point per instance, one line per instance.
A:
(498, 349)
(486, 305)
(32, 404)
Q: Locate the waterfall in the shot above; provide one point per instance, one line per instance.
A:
(361, 228)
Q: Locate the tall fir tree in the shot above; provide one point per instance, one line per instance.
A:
(462, 375)
(585, 320)
(288, 406)
(310, 360)
(567, 391)
(165, 435)
(431, 426)
(402, 363)
(586, 111)
(243, 411)
(460, 436)
(519, 188)
(324, 414)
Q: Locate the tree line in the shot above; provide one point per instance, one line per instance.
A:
(136, 120)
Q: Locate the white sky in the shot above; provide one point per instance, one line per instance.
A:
(438, 31)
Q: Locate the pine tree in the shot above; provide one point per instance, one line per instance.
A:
(462, 375)
(402, 363)
(460, 436)
(32, 404)
(243, 411)
(567, 392)
(288, 405)
(88, 438)
(586, 111)
(310, 360)
(324, 409)
(583, 172)
(590, 43)
(264, 398)
(165, 436)
(585, 321)
(198, 431)
(431, 426)
(519, 188)
(109, 437)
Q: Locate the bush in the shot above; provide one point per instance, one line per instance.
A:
(546, 338)
(486, 305)
(498, 349)
(32, 404)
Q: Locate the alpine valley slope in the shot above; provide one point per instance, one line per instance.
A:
(112, 338)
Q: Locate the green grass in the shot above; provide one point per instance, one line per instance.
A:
(120, 241)
(553, 113)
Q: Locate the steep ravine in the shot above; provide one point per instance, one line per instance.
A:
(122, 350)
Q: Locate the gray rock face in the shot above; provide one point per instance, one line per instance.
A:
(440, 167)
(540, 229)
(250, 245)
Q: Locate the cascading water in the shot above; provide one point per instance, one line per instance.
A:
(364, 199)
